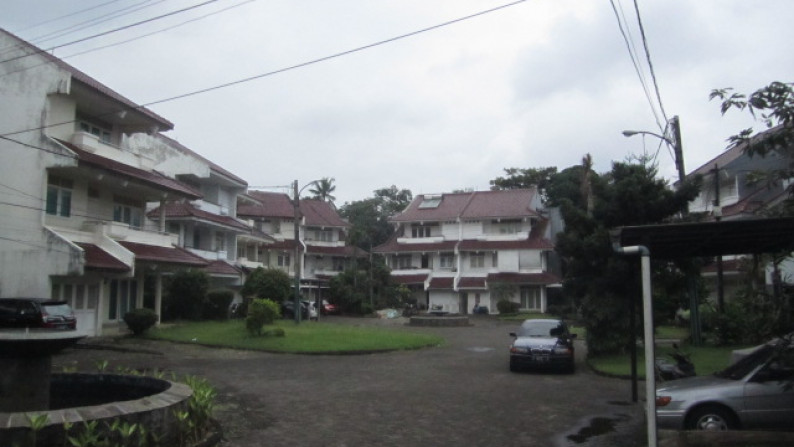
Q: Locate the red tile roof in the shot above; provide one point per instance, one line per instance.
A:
(544, 278)
(441, 283)
(471, 283)
(165, 255)
(317, 213)
(531, 244)
(223, 268)
(391, 246)
(175, 210)
(409, 279)
(150, 178)
(503, 204)
(98, 259)
(346, 251)
(92, 83)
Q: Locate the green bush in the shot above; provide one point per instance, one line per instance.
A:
(216, 307)
(140, 320)
(507, 307)
(276, 332)
(260, 313)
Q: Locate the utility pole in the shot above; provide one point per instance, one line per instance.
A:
(678, 149)
(717, 211)
(296, 229)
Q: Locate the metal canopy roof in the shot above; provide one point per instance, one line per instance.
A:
(710, 238)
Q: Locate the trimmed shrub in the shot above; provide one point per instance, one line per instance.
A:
(507, 307)
(260, 313)
(217, 304)
(140, 320)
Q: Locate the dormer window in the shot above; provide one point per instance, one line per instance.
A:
(102, 130)
(430, 202)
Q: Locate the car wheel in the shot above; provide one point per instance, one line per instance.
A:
(513, 365)
(711, 418)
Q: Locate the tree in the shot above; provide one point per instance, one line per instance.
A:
(270, 284)
(187, 293)
(517, 178)
(773, 105)
(370, 217)
(323, 189)
(603, 283)
(757, 314)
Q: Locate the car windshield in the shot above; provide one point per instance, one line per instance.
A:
(540, 329)
(746, 365)
(56, 308)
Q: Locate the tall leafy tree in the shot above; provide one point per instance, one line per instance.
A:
(323, 189)
(604, 284)
(271, 284)
(370, 217)
(519, 178)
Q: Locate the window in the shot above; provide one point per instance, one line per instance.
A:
(401, 262)
(418, 231)
(447, 261)
(220, 242)
(100, 130)
(477, 260)
(127, 211)
(429, 202)
(59, 196)
(123, 294)
(530, 298)
(495, 259)
(283, 260)
(323, 235)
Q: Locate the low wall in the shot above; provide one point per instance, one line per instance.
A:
(155, 411)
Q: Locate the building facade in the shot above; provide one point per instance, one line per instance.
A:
(93, 195)
(321, 246)
(461, 250)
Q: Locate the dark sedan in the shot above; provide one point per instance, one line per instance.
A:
(542, 343)
(39, 313)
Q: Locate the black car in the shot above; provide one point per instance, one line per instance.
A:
(288, 310)
(542, 343)
(36, 313)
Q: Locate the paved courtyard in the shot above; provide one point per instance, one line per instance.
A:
(458, 394)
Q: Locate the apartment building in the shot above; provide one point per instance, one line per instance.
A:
(456, 251)
(322, 246)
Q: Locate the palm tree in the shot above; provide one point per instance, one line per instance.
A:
(323, 189)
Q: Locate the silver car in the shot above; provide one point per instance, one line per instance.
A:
(757, 392)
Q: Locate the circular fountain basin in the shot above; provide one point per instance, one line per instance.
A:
(78, 398)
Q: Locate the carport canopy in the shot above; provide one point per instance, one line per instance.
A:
(682, 240)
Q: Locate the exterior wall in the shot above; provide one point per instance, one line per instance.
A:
(447, 299)
(29, 253)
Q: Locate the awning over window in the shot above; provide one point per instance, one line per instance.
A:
(98, 259)
(164, 255)
(441, 283)
(472, 283)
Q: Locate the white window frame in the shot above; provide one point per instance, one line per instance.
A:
(59, 197)
(477, 260)
(446, 261)
(531, 298)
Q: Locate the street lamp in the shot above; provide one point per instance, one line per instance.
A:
(674, 142)
(296, 209)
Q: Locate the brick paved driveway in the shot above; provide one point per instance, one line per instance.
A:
(459, 394)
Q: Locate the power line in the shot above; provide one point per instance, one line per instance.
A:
(115, 30)
(650, 64)
(635, 61)
(294, 67)
(168, 28)
(35, 25)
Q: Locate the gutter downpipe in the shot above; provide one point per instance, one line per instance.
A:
(650, 355)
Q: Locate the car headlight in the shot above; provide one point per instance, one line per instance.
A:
(518, 350)
(562, 350)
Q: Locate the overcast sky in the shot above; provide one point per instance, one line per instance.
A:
(539, 83)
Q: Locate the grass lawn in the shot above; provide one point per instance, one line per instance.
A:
(308, 337)
(707, 360)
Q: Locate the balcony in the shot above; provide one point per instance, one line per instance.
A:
(219, 255)
(92, 143)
